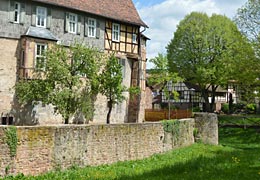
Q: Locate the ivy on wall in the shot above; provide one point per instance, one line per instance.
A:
(173, 127)
(11, 139)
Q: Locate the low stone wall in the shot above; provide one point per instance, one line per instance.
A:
(44, 148)
(206, 125)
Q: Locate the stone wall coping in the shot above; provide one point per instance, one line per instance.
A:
(90, 125)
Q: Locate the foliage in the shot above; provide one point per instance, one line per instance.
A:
(69, 81)
(173, 127)
(196, 109)
(225, 108)
(251, 108)
(11, 139)
(237, 157)
(248, 21)
(161, 74)
(134, 91)
(111, 83)
(239, 108)
(210, 51)
(195, 132)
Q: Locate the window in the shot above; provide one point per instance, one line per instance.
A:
(17, 11)
(181, 94)
(22, 59)
(7, 120)
(92, 24)
(40, 58)
(116, 32)
(134, 40)
(73, 23)
(41, 16)
(122, 63)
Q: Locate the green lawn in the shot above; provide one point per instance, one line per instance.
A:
(239, 119)
(237, 157)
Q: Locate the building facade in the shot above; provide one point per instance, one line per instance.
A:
(28, 28)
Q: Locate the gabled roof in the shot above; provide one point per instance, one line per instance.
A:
(120, 10)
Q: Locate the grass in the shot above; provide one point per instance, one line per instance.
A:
(239, 120)
(237, 157)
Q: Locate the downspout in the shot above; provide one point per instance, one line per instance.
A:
(139, 73)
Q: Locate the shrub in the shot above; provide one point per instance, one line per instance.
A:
(196, 109)
(225, 108)
(251, 108)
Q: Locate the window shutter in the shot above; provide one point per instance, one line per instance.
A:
(79, 25)
(11, 10)
(98, 30)
(33, 15)
(86, 27)
(22, 16)
(67, 22)
(49, 18)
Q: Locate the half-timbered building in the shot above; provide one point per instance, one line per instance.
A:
(28, 28)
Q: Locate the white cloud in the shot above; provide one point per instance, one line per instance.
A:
(163, 18)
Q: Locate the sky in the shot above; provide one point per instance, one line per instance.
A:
(163, 16)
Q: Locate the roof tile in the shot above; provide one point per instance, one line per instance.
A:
(121, 10)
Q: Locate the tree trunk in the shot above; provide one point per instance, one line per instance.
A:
(67, 120)
(230, 103)
(205, 95)
(110, 106)
(213, 98)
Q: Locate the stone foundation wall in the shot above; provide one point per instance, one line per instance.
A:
(44, 148)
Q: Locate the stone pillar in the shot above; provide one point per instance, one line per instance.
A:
(206, 128)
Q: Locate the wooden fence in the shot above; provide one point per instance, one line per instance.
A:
(157, 115)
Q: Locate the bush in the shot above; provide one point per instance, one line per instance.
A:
(196, 109)
(251, 108)
(225, 108)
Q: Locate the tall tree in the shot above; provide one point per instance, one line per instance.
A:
(111, 83)
(68, 81)
(248, 19)
(248, 22)
(206, 51)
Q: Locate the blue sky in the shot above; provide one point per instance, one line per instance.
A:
(141, 3)
(163, 16)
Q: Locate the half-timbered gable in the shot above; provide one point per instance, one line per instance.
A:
(122, 38)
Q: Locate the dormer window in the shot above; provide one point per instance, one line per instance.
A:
(41, 16)
(116, 32)
(17, 10)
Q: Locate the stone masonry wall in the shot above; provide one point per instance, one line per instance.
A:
(207, 127)
(8, 67)
(44, 148)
